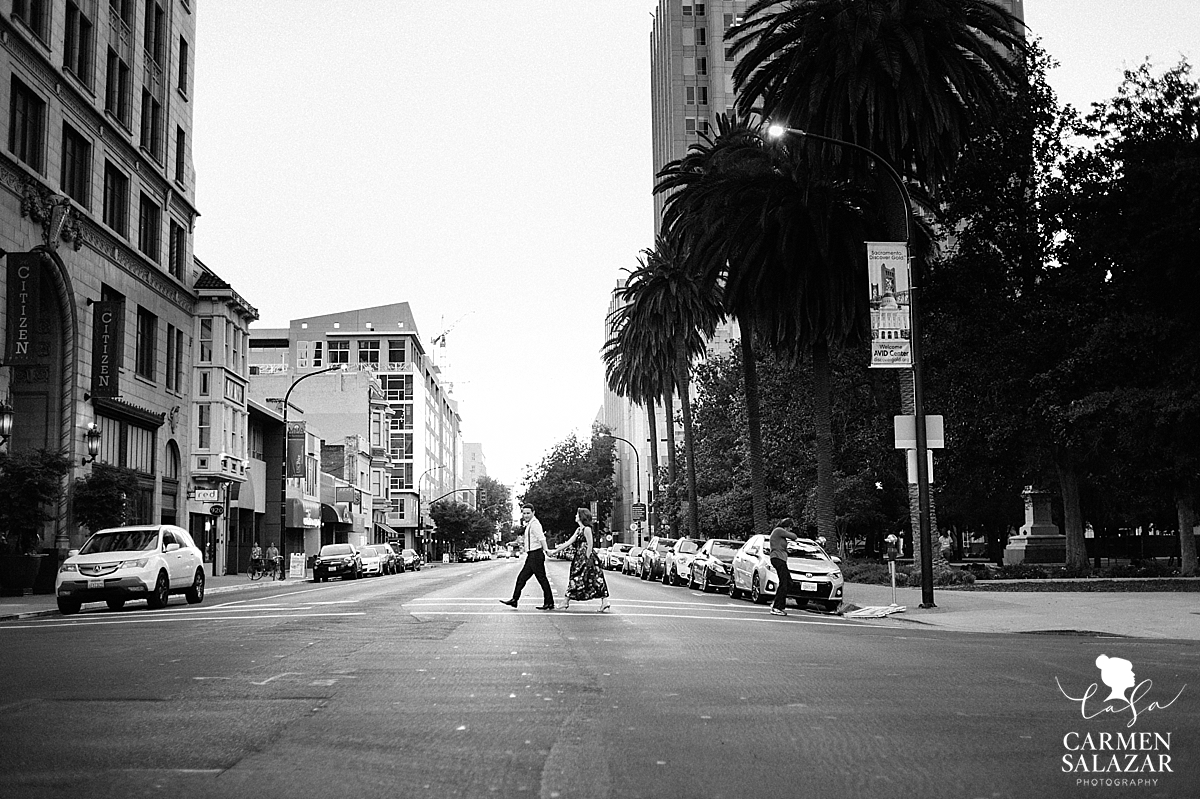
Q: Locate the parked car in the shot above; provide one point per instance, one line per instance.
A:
(654, 557)
(398, 557)
(118, 564)
(815, 575)
(373, 562)
(677, 565)
(632, 563)
(616, 556)
(712, 567)
(601, 554)
(466, 556)
(412, 559)
(337, 560)
(390, 560)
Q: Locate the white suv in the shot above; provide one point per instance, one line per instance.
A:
(148, 562)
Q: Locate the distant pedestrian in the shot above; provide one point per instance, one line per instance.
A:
(945, 544)
(779, 562)
(535, 561)
(587, 578)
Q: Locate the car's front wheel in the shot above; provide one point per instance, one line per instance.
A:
(195, 594)
(756, 594)
(162, 592)
(68, 606)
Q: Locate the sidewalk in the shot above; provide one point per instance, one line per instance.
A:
(1137, 615)
(19, 607)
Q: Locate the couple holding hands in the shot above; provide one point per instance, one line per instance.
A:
(587, 578)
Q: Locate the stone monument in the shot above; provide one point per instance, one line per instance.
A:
(1039, 540)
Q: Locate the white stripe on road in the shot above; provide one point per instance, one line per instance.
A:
(559, 614)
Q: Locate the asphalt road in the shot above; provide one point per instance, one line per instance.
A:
(423, 685)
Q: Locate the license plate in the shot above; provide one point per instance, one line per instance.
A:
(808, 587)
(95, 583)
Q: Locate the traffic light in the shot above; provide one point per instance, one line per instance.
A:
(479, 498)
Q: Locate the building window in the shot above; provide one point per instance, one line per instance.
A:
(33, 14)
(149, 228)
(699, 9)
(154, 31)
(689, 125)
(174, 359)
(702, 66)
(689, 95)
(147, 339)
(317, 357)
(729, 54)
(76, 166)
(339, 352)
(77, 46)
(405, 471)
(235, 391)
(701, 37)
(124, 9)
(204, 426)
(116, 199)
(177, 255)
(151, 125)
(702, 94)
(117, 88)
(26, 125)
(689, 66)
(203, 386)
(687, 10)
(126, 444)
(206, 340)
(180, 155)
(396, 351)
(183, 65)
(368, 351)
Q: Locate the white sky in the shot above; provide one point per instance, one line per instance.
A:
(489, 163)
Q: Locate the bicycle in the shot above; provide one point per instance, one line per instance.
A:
(258, 569)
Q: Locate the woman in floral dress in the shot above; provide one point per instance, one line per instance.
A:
(587, 578)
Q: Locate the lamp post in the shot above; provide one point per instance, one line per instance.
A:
(776, 131)
(283, 483)
(637, 460)
(421, 510)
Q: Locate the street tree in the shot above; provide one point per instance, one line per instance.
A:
(573, 474)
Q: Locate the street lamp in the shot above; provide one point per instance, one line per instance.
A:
(637, 460)
(421, 509)
(92, 439)
(6, 421)
(283, 483)
(778, 130)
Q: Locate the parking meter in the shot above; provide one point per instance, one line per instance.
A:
(893, 548)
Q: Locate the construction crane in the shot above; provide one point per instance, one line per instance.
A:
(440, 339)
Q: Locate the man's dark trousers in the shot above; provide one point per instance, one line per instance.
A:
(535, 566)
(785, 583)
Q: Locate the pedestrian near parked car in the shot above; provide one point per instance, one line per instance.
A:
(535, 561)
(779, 561)
(587, 578)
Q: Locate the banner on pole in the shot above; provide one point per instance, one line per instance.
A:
(296, 451)
(888, 281)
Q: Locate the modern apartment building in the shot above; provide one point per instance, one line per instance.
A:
(420, 440)
(97, 207)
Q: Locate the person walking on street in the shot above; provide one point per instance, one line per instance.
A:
(535, 561)
(587, 579)
(779, 562)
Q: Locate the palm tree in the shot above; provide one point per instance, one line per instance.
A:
(671, 315)
(907, 80)
(758, 224)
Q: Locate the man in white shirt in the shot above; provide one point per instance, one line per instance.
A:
(535, 561)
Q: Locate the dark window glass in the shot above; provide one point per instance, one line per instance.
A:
(116, 199)
(26, 125)
(147, 340)
(76, 166)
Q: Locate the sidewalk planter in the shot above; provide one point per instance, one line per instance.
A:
(18, 573)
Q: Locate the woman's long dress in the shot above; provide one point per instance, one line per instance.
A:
(587, 578)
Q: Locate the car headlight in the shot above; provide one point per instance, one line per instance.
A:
(68, 567)
(136, 563)
(835, 575)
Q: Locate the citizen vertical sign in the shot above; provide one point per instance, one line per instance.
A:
(24, 281)
(296, 456)
(108, 342)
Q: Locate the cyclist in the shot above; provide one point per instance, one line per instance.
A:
(256, 557)
(275, 560)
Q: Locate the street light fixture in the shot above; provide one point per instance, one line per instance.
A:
(778, 130)
(6, 421)
(92, 439)
(637, 459)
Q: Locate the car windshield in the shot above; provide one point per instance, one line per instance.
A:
(665, 546)
(687, 547)
(725, 551)
(121, 541)
(337, 549)
(410, 552)
(799, 549)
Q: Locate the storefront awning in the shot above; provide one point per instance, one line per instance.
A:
(336, 513)
(388, 533)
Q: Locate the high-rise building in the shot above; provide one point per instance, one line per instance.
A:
(97, 206)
